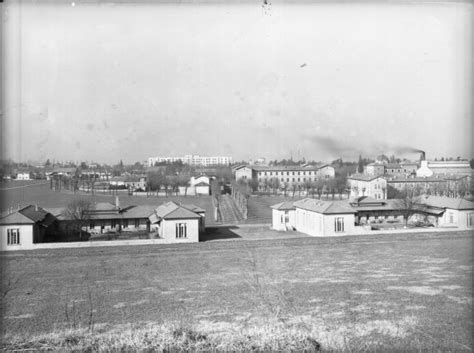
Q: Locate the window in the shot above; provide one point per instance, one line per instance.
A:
(181, 230)
(287, 179)
(91, 225)
(293, 179)
(298, 180)
(282, 179)
(287, 216)
(113, 223)
(125, 223)
(470, 219)
(339, 224)
(451, 217)
(13, 236)
(137, 223)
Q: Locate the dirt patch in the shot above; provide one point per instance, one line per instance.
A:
(16, 317)
(425, 290)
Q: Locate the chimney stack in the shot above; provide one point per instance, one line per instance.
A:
(117, 202)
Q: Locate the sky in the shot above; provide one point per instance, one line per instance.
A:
(126, 81)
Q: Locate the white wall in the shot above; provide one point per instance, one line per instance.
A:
(26, 237)
(168, 230)
(317, 224)
(278, 219)
(459, 218)
(245, 173)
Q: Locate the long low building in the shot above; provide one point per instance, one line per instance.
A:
(347, 217)
(25, 227)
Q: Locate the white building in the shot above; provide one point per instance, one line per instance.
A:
(374, 186)
(285, 175)
(174, 222)
(20, 230)
(428, 168)
(23, 176)
(315, 217)
(458, 213)
(192, 160)
(283, 216)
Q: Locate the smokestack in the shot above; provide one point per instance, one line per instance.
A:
(422, 155)
(117, 202)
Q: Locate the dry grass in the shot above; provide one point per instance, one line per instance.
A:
(354, 294)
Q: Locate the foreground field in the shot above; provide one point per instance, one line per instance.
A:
(403, 292)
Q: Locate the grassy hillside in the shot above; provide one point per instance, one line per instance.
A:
(356, 293)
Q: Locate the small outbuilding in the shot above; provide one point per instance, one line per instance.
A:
(21, 229)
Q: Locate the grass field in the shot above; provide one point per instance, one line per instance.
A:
(399, 292)
(40, 193)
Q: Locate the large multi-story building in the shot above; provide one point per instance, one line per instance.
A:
(284, 175)
(192, 160)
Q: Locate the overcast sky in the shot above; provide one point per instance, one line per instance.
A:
(104, 82)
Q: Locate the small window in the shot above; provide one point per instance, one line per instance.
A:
(125, 223)
(181, 231)
(470, 219)
(339, 224)
(13, 236)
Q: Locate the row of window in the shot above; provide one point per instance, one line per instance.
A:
(288, 173)
(294, 179)
(114, 223)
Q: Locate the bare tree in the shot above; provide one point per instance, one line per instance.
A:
(408, 203)
(78, 213)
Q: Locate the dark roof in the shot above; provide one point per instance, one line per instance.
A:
(447, 202)
(35, 213)
(286, 168)
(29, 215)
(285, 205)
(404, 179)
(194, 208)
(324, 207)
(365, 201)
(171, 210)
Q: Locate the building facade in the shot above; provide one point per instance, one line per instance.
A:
(192, 160)
(374, 186)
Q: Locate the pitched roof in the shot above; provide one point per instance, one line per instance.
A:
(34, 213)
(364, 177)
(324, 207)
(193, 208)
(447, 202)
(171, 210)
(286, 168)
(29, 215)
(365, 201)
(16, 218)
(141, 211)
(285, 205)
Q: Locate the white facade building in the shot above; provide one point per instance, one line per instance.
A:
(192, 160)
(314, 217)
(367, 185)
(23, 176)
